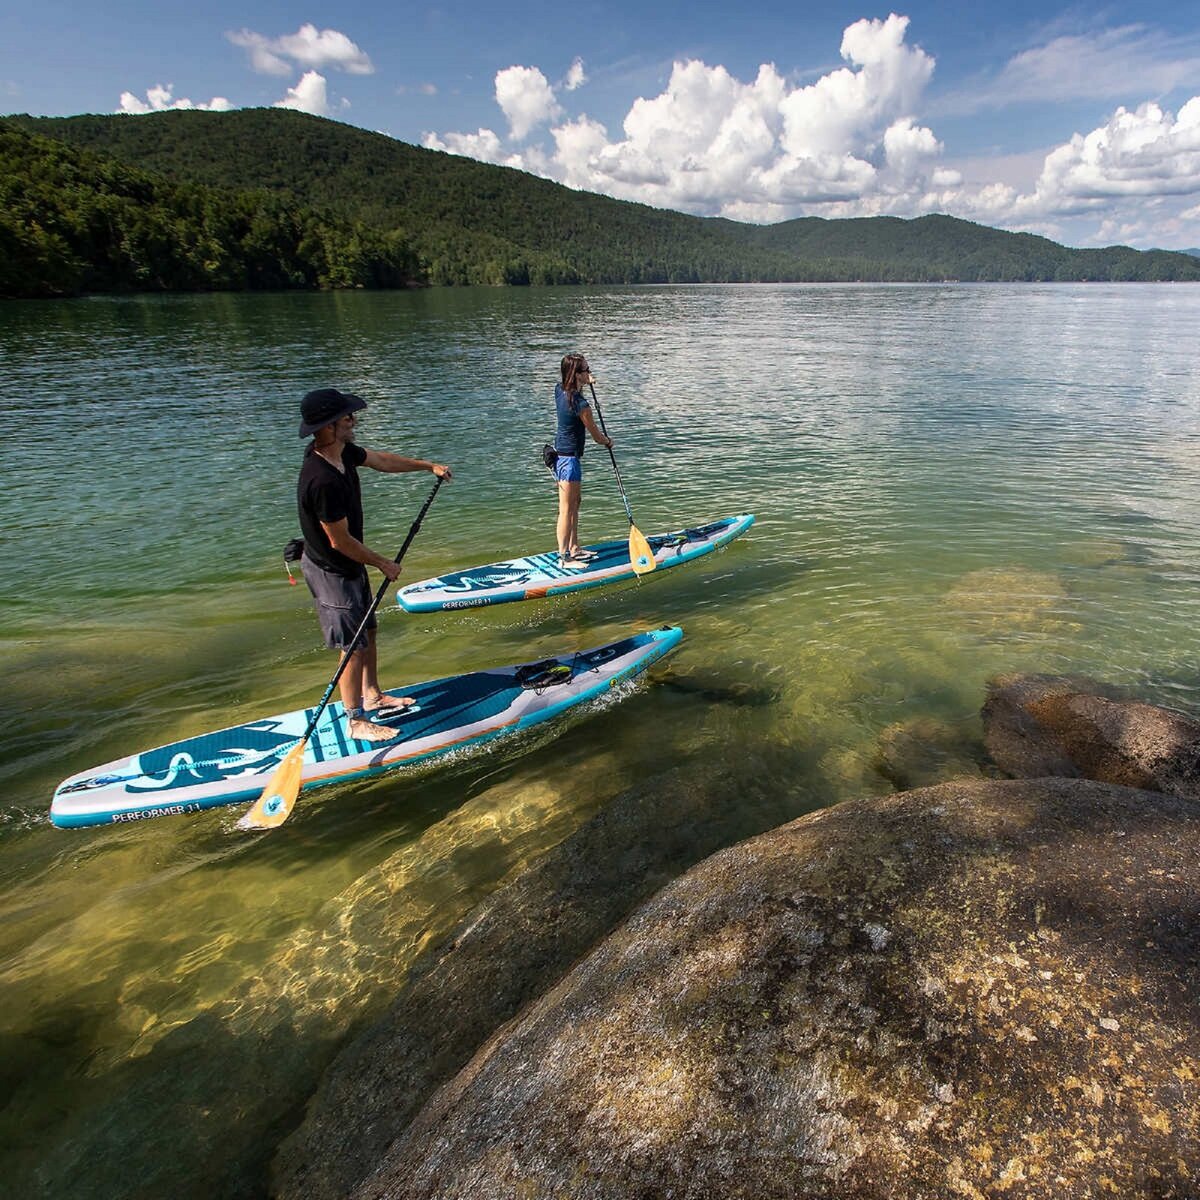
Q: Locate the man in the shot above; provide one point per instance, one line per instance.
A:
(329, 498)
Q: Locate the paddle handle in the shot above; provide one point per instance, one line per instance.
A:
(616, 469)
(337, 675)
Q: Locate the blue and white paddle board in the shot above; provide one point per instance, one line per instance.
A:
(233, 765)
(541, 575)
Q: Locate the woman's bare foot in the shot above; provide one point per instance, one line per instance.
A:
(383, 700)
(367, 731)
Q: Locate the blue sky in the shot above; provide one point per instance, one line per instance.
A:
(1082, 124)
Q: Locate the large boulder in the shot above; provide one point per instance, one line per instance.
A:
(509, 951)
(976, 989)
(1037, 725)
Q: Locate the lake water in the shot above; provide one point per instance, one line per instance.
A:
(951, 482)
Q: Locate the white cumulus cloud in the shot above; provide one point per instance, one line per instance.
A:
(483, 145)
(763, 150)
(526, 99)
(576, 77)
(577, 143)
(308, 47)
(1147, 152)
(309, 95)
(847, 107)
(1133, 179)
(160, 98)
(910, 149)
(853, 143)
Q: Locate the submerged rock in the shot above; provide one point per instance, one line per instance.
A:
(976, 989)
(995, 601)
(923, 751)
(1037, 725)
(1098, 552)
(714, 688)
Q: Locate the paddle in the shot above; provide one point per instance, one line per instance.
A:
(641, 557)
(278, 798)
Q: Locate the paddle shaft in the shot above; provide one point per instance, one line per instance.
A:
(346, 654)
(616, 469)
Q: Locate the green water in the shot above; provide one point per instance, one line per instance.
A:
(950, 482)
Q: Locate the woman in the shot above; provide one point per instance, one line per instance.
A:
(575, 420)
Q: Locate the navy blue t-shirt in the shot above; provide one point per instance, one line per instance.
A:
(326, 494)
(572, 433)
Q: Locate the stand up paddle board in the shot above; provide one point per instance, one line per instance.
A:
(541, 575)
(234, 764)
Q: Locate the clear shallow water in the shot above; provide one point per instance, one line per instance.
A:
(950, 482)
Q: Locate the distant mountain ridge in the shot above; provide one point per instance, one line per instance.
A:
(467, 222)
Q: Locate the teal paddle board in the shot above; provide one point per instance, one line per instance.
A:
(541, 575)
(233, 765)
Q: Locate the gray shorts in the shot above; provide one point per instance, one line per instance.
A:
(341, 604)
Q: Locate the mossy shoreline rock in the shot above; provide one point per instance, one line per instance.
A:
(1037, 725)
(976, 989)
(507, 953)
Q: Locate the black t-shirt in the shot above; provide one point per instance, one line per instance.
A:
(326, 494)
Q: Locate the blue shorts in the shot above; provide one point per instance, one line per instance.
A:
(568, 469)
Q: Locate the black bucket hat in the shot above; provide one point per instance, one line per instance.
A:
(324, 406)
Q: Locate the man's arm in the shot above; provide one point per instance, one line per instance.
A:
(344, 542)
(383, 460)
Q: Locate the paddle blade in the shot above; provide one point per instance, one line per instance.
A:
(278, 798)
(640, 555)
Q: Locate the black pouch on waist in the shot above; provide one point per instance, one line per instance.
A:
(292, 552)
(549, 455)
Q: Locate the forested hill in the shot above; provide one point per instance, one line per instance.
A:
(72, 221)
(471, 222)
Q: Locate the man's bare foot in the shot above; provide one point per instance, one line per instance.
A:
(385, 701)
(367, 731)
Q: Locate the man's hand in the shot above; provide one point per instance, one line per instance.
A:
(441, 471)
(390, 569)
